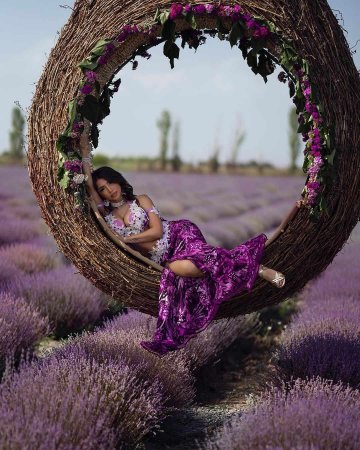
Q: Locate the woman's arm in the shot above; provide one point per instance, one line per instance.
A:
(281, 228)
(155, 230)
(87, 169)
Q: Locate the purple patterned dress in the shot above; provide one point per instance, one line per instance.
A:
(188, 304)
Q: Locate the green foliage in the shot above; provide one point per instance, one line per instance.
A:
(294, 140)
(100, 159)
(16, 135)
(164, 124)
(176, 162)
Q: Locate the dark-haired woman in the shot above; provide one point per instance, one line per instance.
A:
(196, 277)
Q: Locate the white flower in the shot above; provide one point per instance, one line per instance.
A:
(79, 178)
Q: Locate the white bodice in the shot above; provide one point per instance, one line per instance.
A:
(139, 222)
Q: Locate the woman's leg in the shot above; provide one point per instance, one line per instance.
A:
(185, 268)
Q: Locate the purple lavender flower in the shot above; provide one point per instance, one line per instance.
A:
(95, 405)
(29, 258)
(21, 325)
(304, 415)
(70, 304)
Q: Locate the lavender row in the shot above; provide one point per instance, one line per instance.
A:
(314, 401)
(109, 392)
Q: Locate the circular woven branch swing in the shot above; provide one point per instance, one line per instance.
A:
(302, 252)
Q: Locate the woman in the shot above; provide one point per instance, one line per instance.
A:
(197, 277)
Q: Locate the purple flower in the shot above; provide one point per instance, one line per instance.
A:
(314, 185)
(228, 10)
(210, 8)
(175, 10)
(109, 48)
(86, 89)
(251, 23)
(126, 30)
(307, 91)
(199, 9)
(73, 166)
(188, 8)
(102, 60)
(91, 76)
(264, 31)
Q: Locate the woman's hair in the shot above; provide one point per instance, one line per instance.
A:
(113, 176)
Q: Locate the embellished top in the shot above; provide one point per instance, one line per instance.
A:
(139, 222)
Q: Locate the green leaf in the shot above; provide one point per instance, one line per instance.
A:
(168, 30)
(99, 47)
(298, 90)
(90, 108)
(330, 158)
(94, 135)
(61, 172)
(305, 66)
(291, 89)
(171, 50)
(221, 27)
(257, 44)
(251, 60)
(88, 64)
(156, 17)
(236, 33)
(163, 17)
(191, 20)
(64, 180)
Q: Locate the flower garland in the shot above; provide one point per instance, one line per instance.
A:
(262, 47)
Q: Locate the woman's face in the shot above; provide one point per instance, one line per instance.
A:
(109, 191)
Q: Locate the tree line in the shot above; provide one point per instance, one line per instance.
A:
(168, 160)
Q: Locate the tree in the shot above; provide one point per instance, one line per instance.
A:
(294, 140)
(164, 124)
(238, 140)
(176, 160)
(214, 159)
(16, 135)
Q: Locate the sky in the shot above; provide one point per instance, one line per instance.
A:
(210, 92)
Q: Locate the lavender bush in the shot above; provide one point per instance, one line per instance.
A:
(306, 414)
(76, 403)
(29, 258)
(18, 230)
(8, 271)
(67, 299)
(327, 347)
(119, 338)
(218, 336)
(20, 327)
(324, 338)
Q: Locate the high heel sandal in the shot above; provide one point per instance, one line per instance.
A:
(279, 279)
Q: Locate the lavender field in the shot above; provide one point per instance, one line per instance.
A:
(95, 387)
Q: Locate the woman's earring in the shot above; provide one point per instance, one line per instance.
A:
(106, 202)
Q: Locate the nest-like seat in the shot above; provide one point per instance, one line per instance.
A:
(302, 252)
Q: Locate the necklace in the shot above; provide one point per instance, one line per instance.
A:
(118, 204)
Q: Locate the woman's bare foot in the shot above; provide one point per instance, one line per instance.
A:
(275, 278)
